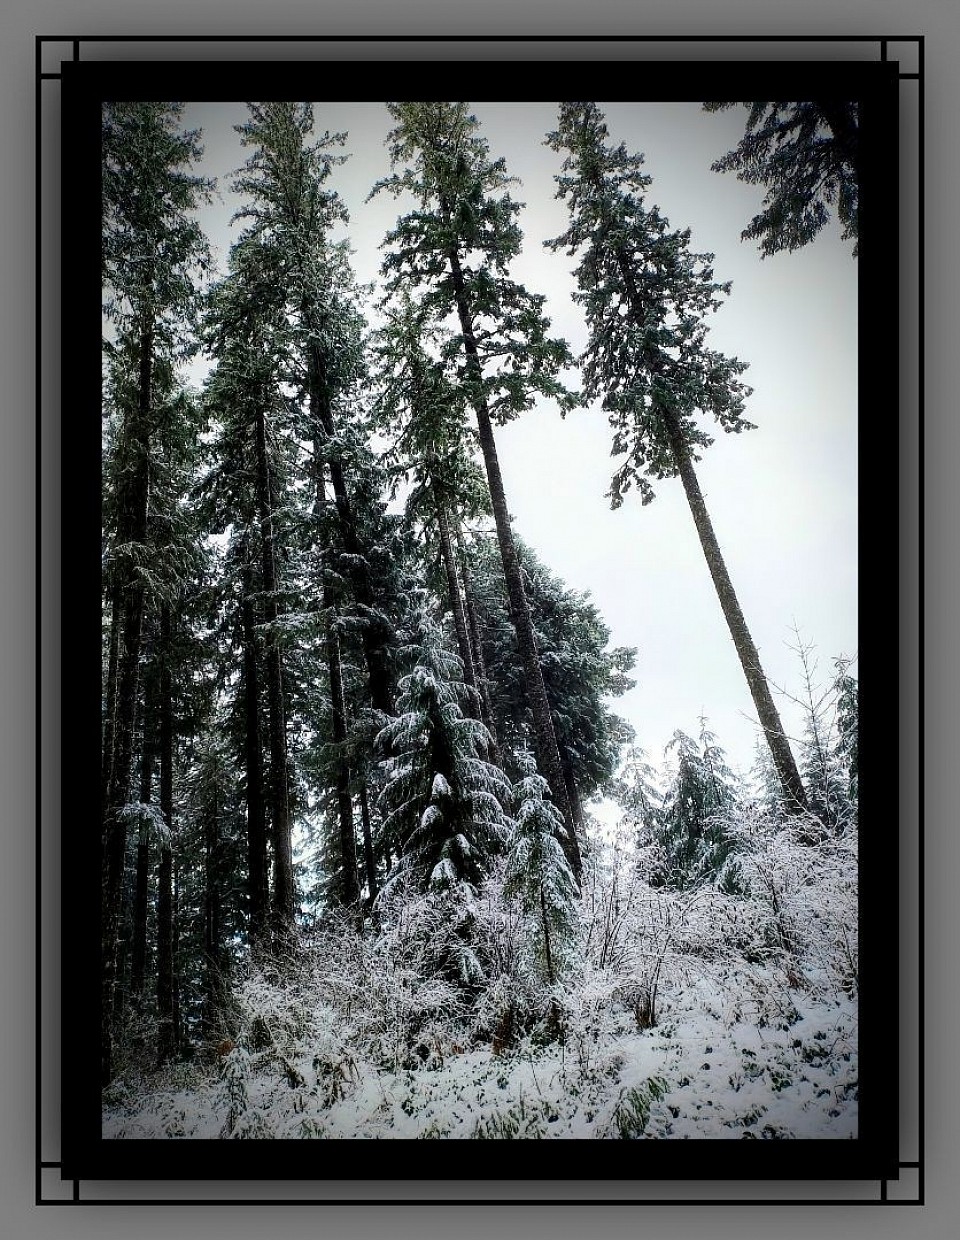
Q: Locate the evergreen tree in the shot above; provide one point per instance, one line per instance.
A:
(456, 246)
(580, 671)
(443, 804)
(807, 155)
(153, 252)
(691, 824)
(646, 296)
(246, 336)
(422, 411)
(848, 726)
(539, 876)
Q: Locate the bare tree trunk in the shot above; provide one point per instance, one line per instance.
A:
(213, 950)
(476, 643)
(349, 882)
(110, 703)
(378, 670)
(783, 760)
(368, 854)
(349, 886)
(139, 953)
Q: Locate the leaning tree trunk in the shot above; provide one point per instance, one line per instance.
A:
(166, 1038)
(795, 799)
(794, 794)
(283, 882)
(548, 753)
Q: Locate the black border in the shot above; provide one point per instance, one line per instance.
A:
(87, 82)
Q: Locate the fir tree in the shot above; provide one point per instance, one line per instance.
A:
(646, 297)
(443, 804)
(691, 824)
(807, 156)
(456, 246)
(153, 255)
(538, 875)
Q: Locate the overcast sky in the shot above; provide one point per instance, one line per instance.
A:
(783, 498)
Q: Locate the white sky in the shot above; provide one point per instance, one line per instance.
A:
(783, 498)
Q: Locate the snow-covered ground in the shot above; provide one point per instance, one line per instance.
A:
(699, 1074)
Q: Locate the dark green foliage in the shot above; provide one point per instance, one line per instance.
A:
(580, 671)
(443, 804)
(152, 247)
(538, 875)
(691, 824)
(646, 296)
(465, 213)
(806, 155)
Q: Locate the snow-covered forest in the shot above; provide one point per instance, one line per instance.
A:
(384, 852)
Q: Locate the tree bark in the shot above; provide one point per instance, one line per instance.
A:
(349, 882)
(368, 853)
(349, 885)
(139, 953)
(165, 935)
(795, 799)
(378, 670)
(476, 644)
(767, 713)
(548, 753)
(280, 827)
(132, 529)
(258, 870)
(456, 602)
(213, 952)
(110, 702)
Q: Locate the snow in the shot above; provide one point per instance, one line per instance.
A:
(717, 1078)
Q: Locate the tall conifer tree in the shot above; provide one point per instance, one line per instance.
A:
(456, 246)
(152, 254)
(646, 297)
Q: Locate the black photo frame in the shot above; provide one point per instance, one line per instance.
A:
(74, 1164)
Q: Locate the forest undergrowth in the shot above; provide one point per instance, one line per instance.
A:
(696, 1013)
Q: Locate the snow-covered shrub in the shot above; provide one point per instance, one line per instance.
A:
(799, 898)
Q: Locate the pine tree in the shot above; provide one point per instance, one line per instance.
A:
(246, 335)
(807, 155)
(848, 725)
(456, 247)
(646, 296)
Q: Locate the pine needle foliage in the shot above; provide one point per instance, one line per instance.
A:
(806, 155)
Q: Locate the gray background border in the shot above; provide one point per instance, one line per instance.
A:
(940, 23)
